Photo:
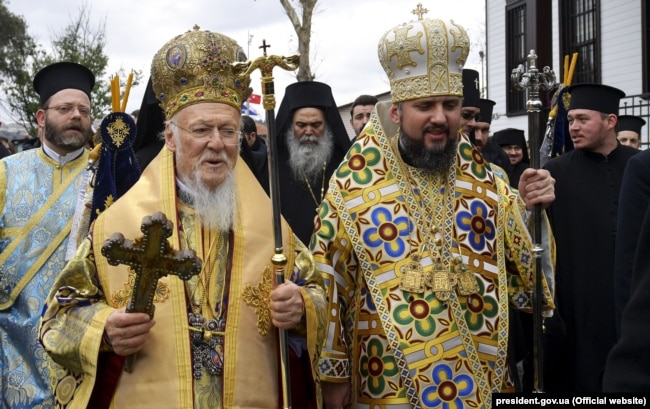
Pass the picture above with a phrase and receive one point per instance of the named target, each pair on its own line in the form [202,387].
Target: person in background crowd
[632,205]
[628,130]
[360,112]
[6,147]
[513,143]
[312,141]
[477,110]
[256,147]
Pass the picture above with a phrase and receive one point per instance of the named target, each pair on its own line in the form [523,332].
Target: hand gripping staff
[266,63]
[533,81]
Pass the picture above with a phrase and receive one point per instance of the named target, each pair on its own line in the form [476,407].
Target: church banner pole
[533,81]
[266,63]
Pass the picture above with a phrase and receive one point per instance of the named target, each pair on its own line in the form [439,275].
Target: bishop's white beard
[216,208]
[307,159]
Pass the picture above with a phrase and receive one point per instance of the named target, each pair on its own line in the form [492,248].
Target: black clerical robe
[515,173]
[634,199]
[298,204]
[583,218]
[628,364]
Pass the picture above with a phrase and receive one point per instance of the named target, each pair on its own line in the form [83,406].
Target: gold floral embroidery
[259,298]
[121,297]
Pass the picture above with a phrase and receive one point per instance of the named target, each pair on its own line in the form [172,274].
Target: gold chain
[322,186]
[441,206]
[439,203]
[208,267]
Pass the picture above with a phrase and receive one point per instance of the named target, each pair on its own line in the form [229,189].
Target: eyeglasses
[67,109]
[229,136]
[467,115]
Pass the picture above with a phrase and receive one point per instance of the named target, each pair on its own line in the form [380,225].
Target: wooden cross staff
[151,257]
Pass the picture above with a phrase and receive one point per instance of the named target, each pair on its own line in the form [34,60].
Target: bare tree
[82,41]
[303,31]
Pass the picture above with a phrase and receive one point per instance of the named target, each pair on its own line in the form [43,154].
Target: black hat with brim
[63,75]
[596,97]
[630,123]
[510,136]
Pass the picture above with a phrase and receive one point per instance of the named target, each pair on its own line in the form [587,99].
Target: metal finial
[420,11]
[264,46]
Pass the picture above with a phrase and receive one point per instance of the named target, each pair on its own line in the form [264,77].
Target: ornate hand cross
[151,257]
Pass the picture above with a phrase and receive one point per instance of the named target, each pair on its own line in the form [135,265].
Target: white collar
[62,159]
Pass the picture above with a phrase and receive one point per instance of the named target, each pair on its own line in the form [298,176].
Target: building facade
[611,37]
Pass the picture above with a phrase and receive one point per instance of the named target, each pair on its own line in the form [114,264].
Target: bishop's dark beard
[60,137]
[437,159]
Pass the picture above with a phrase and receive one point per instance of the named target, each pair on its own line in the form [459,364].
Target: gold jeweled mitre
[424,58]
[197,67]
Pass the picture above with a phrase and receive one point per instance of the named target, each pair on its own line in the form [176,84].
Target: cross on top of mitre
[420,11]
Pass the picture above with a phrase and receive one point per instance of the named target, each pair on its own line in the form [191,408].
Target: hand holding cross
[151,257]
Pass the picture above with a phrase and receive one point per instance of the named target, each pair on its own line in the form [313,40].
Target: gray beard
[307,160]
[438,159]
[215,209]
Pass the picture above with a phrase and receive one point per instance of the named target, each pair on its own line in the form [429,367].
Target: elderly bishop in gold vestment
[212,341]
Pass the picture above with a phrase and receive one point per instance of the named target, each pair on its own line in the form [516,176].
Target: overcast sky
[345,33]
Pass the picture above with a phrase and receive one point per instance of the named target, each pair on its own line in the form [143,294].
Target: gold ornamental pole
[266,63]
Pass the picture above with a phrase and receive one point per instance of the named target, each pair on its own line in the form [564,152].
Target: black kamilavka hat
[63,75]
[486,106]
[596,97]
[630,123]
[471,89]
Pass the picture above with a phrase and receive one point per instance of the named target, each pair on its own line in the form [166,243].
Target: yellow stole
[162,373]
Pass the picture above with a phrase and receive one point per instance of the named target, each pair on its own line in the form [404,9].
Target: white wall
[497,73]
[621,44]
[621,40]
